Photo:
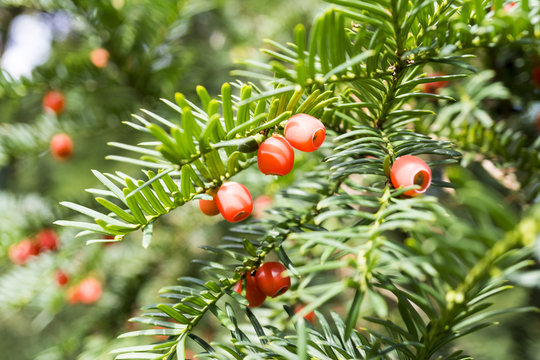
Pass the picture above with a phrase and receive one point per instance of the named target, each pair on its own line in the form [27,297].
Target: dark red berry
[270,279]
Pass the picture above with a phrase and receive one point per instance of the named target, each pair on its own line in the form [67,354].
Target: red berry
[509,7]
[432,87]
[89,290]
[99,57]
[261,203]
[20,252]
[72,295]
[61,146]
[304,132]
[410,170]
[61,278]
[270,280]
[54,102]
[254,295]
[275,156]
[209,207]
[47,239]
[310,316]
[536,75]
[234,201]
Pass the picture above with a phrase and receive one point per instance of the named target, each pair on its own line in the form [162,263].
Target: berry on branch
[234,201]
[410,170]
[275,156]
[270,279]
[254,295]
[304,132]
[209,207]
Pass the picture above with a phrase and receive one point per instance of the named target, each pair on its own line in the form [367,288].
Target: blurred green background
[156,48]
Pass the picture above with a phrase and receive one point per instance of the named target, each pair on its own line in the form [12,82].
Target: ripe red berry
[20,253]
[254,295]
[89,290]
[61,278]
[270,279]
[410,170]
[275,156]
[54,102]
[234,201]
[47,239]
[99,57]
[433,87]
[310,316]
[304,132]
[209,207]
[61,146]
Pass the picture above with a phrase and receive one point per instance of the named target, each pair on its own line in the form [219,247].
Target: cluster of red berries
[267,280]
[22,251]
[88,291]
[274,157]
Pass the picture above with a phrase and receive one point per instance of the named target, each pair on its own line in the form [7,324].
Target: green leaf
[354,311]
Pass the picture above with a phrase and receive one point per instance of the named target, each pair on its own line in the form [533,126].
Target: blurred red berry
[275,156]
[509,7]
[99,57]
[61,146]
[47,239]
[61,278]
[410,170]
[433,87]
[87,291]
[304,132]
[270,279]
[260,204]
[54,102]
[310,316]
[20,252]
[234,201]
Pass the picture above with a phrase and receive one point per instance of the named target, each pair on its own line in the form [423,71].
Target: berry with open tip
[305,132]
[409,170]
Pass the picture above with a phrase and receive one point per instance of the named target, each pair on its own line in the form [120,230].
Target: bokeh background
[155,48]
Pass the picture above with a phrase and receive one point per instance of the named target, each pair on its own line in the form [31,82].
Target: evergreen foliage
[389,276]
